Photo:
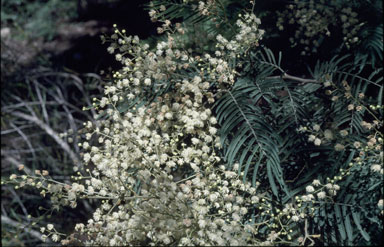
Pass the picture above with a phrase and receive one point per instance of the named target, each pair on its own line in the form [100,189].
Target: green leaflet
[244,154]
[236,144]
[356,219]
[255,170]
[375,186]
[245,135]
[348,226]
[311,87]
[272,180]
[339,220]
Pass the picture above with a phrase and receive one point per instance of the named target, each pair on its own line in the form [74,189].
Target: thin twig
[307,236]
[15,196]
[36,234]
[24,104]
[54,103]
[5,132]
[32,103]
[188,178]
[3,211]
[62,74]
[70,117]
[20,151]
[42,103]
[52,133]
[294,78]
[21,133]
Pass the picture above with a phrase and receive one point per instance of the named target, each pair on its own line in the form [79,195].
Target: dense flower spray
[152,160]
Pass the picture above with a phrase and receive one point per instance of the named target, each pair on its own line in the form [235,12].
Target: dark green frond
[371,47]
[247,137]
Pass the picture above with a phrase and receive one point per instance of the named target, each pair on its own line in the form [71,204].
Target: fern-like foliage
[259,119]
[262,115]
[371,47]
[255,141]
[351,218]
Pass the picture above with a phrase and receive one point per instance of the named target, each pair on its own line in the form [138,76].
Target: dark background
[88,53]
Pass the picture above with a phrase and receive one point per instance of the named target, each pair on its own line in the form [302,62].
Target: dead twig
[21,133]
[50,132]
[42,103]
[32,103]
[70,117]
[19,201]
[25,227]
[14,162]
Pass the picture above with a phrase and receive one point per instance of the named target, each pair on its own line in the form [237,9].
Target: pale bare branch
[21,133]
[42,103]
[14,162]
[25,227]
[294,78]
[50,132]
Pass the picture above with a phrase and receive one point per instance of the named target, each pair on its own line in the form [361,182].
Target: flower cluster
[151,157]
[248,35]
[199,210]
[158,164]
[50,232]
[315,19]
[155,167]
[335,134]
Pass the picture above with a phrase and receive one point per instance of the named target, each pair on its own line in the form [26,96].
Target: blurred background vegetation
[51,58]
[53,64]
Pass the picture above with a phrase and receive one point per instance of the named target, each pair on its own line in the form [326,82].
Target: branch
[9,221]
[8,131]
[294,78]
[70,117]
[15,196]
[42,103]
[21,133]
[16,164]
[50,132]
[307,236]
[32,103]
